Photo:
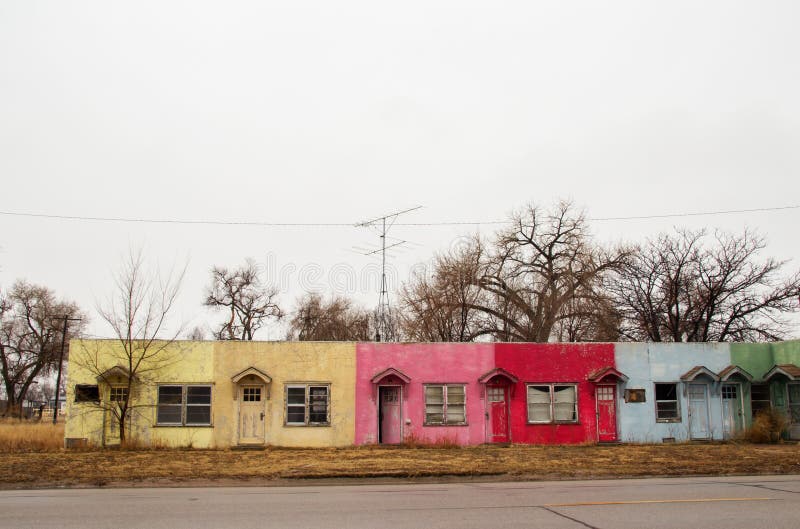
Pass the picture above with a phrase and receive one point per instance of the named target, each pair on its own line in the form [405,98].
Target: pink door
[497,410]
[390,415]
[606,413]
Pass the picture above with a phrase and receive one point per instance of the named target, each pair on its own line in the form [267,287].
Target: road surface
[748,502]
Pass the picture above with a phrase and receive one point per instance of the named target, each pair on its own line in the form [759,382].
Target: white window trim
[184,404]
[444,387]
[551,385]
[677,402]
[306,386]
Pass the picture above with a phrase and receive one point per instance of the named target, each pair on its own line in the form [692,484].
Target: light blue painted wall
[645,364]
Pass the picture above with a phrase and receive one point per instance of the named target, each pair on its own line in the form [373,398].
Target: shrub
[768,427]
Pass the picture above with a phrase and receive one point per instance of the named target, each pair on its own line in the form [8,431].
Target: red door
[497,405]
[391,418]
[606,413]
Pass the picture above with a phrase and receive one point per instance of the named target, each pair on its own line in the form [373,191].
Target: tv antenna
[383,326]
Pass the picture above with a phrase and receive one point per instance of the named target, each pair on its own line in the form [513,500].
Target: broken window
[667,409]
[445,404]
[548,403]
[87,393]
[184,405]
[760,398]
[307,404]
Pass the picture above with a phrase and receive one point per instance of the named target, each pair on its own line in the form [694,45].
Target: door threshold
[249,447]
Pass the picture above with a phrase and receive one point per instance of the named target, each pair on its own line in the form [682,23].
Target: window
[759,398]
[667,409]
[548,403]
[635,395]
[307,404]
[118,394]
[184,405]
[87,393]
[445,404]
[251,394]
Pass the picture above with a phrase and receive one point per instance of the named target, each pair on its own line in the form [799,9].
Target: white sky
[342,111]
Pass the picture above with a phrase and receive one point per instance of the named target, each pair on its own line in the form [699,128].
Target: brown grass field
[31,456]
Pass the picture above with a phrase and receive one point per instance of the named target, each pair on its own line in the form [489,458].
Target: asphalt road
[747,502]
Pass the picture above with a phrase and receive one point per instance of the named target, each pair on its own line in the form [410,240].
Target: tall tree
[333,319]
[30,336]
[439,306]
[689,286]
[243,295]
[138,313]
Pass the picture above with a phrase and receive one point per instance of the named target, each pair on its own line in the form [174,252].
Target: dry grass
[101,467]
[16,436]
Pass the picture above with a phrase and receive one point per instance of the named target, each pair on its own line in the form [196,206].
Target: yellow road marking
[634,502]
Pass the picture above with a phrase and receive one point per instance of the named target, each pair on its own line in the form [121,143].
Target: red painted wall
[549,363]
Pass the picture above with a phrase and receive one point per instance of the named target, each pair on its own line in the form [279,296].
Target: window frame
[679,416]
[307,404]
[184,405]
[770,404]
[81,395]
[551,392]
[445,390]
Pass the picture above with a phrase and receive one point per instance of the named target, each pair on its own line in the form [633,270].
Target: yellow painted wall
[179,362]
[186,362]
[287,362]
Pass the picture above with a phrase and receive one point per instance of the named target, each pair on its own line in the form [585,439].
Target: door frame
[487,411]
[616,411]
[740,399]
[707,397]
[402,415]
[789,410]
[240,399]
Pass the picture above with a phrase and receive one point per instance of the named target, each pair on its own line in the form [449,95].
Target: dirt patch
[171,467]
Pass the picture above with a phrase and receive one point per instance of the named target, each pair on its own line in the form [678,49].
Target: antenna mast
[383,316]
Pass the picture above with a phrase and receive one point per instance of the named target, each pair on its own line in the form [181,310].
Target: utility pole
[382,324]
[66,319]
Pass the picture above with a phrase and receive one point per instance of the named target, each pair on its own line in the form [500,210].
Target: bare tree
[685,287]
[538,268]
[334,319]
[138,314]
[439,306]
[30,337]
[249,302]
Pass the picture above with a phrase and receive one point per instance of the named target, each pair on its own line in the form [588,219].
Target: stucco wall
[423,363]
[180,362]
[645,364]
[287,362]
[553,363]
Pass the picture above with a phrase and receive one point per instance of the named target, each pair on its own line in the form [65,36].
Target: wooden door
[794,411]
[732,418]
[497,411]
[699,427]
[390,416]
[251,415]
[606,413]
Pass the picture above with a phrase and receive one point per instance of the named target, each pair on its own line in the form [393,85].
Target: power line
[351,224]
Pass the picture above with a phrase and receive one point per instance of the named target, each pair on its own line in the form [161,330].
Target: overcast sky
[343,111]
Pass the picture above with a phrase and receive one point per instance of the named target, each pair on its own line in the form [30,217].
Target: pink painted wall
[548,363]
[424,363]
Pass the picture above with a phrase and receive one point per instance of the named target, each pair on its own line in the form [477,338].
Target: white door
[251,415]
[732,419]
[698,412]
